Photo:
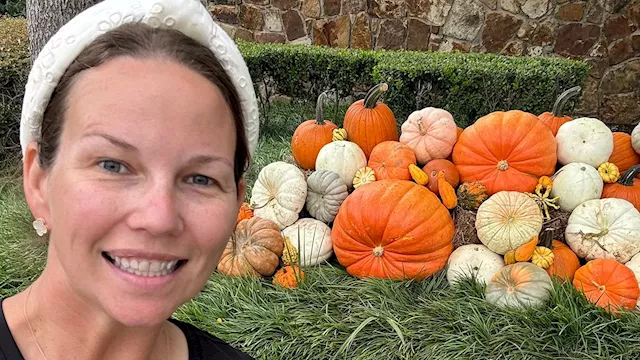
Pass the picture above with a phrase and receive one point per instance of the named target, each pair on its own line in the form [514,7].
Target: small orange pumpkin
[627,187]
[434,167]
[245,212]
[608,284]
[556,118]
[370,122]
[288,276]
[391,160]
[310,136]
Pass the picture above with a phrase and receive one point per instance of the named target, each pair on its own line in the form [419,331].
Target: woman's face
[144,179]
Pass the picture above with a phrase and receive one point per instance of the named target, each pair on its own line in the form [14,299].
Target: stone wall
[606,33]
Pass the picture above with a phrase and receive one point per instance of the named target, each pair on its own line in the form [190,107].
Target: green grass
[335,316]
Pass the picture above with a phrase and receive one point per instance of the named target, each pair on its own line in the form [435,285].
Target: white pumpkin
[576,183]
[473,259]
[342,157]
[312,240]
[634,265]
[325,193]
[635,139]
[507,220]
[584,140]
[279,193]
[604,228]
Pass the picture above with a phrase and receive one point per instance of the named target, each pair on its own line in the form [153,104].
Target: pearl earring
[40,226]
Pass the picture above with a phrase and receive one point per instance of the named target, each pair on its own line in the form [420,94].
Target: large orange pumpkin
[608,284]
[506,151]
[391,160]
[392,229]
[369,122]
[556,118]
[627,187]
[565,261]
[623,154]
[432,169]
[310,136]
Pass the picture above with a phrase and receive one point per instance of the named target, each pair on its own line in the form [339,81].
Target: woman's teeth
[142,267]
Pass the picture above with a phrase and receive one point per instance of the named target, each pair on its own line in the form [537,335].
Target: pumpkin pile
[394,202]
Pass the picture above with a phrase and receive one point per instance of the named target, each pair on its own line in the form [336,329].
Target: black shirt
[202,345]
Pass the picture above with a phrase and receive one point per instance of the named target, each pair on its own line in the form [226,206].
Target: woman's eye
[201,180]
[112,166]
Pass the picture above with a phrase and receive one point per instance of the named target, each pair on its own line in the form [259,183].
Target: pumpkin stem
[319,110]
[378,251]
[503,165]
[558,107]
[601,288]
[547,238]
[629,175]
[421,127]
[371,99]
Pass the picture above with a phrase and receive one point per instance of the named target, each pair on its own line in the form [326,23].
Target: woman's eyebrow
[112,139]
[206,159]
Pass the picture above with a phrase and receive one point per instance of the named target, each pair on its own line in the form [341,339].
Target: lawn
[335,316]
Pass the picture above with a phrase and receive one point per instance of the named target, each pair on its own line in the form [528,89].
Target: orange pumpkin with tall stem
[369,121]
[310,136]
[565,261]
[556,118]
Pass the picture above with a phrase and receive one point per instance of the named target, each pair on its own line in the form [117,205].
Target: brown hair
[142,41]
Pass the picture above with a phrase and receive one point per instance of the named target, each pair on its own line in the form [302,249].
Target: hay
[465,223]
[559,220]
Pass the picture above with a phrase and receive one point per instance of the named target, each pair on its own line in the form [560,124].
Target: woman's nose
[158,211]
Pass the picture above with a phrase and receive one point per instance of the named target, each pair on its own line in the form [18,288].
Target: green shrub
[14,67]
[13,7]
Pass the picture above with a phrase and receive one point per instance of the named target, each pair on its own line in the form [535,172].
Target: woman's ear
[242,188]
[35,184]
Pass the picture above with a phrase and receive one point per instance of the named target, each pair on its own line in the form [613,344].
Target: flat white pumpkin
[325,193]
[634,265]
[507,220]
[342,157]
[635,139]
[584,140]
[576,183]
[279,193]
[604,229]
[473,259]
[312,240]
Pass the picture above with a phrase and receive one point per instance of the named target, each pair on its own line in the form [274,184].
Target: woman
[138,123]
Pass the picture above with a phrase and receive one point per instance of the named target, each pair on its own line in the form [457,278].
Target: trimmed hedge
[467,85]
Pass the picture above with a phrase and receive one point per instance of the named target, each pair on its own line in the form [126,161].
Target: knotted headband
[189,17]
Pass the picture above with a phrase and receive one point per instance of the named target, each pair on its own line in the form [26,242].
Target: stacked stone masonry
[605,33]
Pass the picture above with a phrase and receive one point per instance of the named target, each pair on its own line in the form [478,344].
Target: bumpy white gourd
[604,228]
[279,193]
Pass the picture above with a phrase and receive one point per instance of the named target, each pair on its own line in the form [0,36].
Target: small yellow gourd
[542,257]
[510,257]
[447,193]
[339,135]
[290,253]
[418,175]
[363,176]
[609,172]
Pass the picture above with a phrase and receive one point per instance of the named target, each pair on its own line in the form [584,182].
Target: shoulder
[203,345]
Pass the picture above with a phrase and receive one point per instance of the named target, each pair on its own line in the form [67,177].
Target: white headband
[189,17]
